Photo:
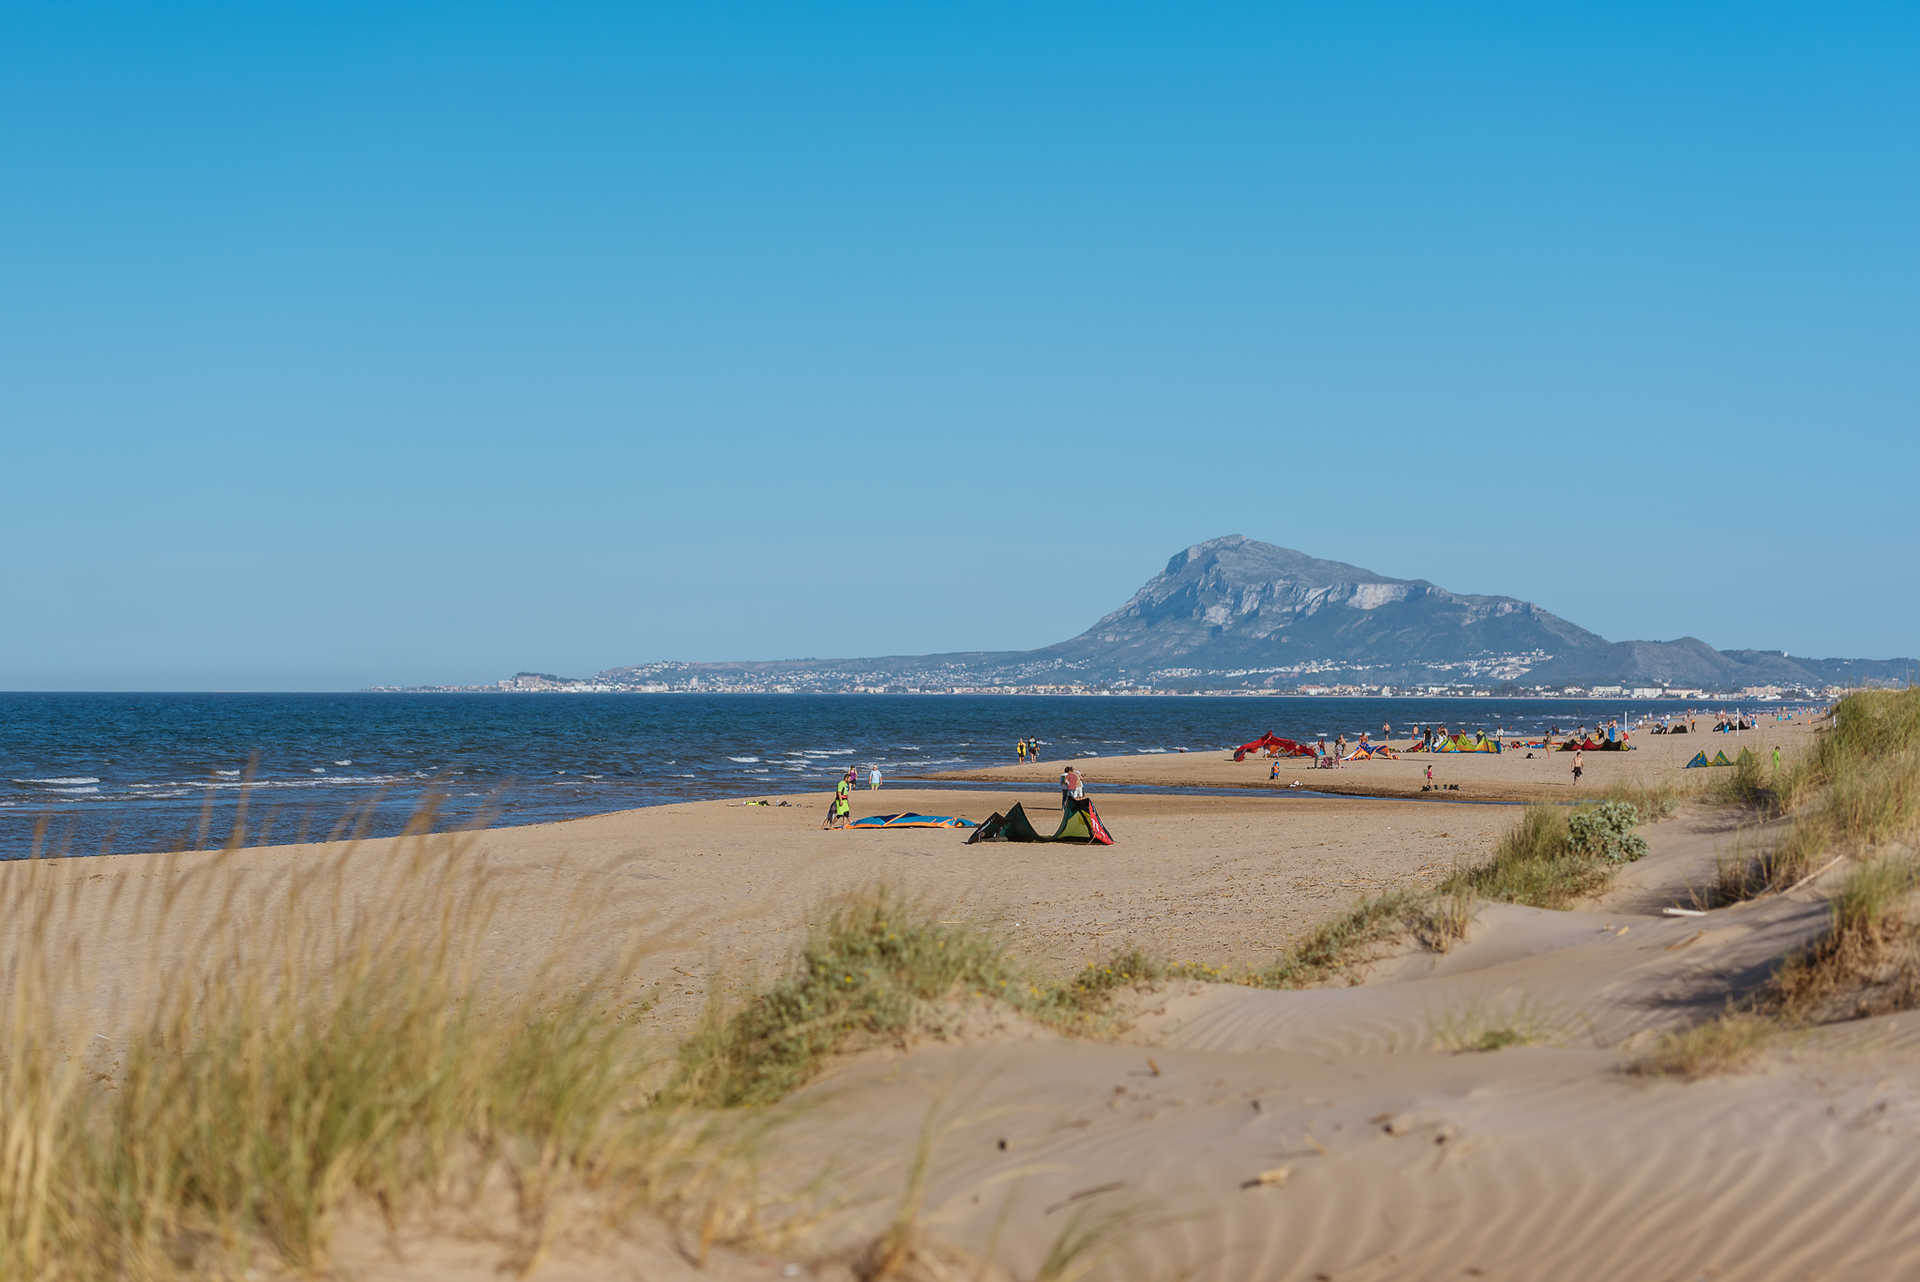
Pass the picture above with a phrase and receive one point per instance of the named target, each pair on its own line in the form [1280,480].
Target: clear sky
[344,344]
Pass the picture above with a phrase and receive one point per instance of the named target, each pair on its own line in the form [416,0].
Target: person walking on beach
[873,778]
[1072,788]
[1578,769]
[1429,775]
[1020,750]
[1776,758]
[841,810]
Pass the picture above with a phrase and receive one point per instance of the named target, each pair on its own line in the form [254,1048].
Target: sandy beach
[1510,775]
[1221,1131]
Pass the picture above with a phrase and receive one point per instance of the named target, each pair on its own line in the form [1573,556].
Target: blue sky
[346,344]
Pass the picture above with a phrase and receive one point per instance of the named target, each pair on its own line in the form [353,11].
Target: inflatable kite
[1284,747]
[911,820]
[1080,823]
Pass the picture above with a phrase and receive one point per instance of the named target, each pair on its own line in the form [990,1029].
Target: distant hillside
[1233,613]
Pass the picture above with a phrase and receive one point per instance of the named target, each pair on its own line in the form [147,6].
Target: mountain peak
[1241,561]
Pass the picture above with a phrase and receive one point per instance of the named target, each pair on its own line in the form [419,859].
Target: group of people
[1027,750]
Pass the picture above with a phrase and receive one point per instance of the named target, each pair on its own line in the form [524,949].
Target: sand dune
[1404,1160]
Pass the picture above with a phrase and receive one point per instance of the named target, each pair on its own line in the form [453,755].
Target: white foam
[347,762]
[69,781]
[745,761]
[230,774]
[75,792]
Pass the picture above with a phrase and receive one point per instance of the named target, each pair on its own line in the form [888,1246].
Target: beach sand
[1386,1152]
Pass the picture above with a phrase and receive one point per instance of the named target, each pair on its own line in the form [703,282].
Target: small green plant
[1606,832]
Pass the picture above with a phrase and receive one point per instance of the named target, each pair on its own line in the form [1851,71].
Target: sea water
[98,773]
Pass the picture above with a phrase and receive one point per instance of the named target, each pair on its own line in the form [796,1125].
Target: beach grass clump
[1748,784]
[318,1049]
[1724,1044]
[1653,801]
[877,966]
[1868,961]
[1542,864]
[1483,1026]
[1858,789]
[1355,937]
[1092,990]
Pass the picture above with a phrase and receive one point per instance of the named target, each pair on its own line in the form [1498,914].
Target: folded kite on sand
[1080,823]
[911,820]
[1274,743]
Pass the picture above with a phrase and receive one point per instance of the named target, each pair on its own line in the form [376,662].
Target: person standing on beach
[1072,787]
[873,778]
[1776,758]
[1020,750]
[1578,769]
[841,809]
[1429,774]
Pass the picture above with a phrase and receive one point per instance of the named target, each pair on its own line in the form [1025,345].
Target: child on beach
[1578,756]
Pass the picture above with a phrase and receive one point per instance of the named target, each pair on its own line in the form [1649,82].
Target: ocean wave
[347,762]
[324,781]
[69,781]
[745,761]
[76,792]
[230,774]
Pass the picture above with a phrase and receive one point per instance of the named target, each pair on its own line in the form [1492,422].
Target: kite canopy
[1460,743]
[1285,747]
[1699,760]
[1367,751]
[1079,823]
[911,820]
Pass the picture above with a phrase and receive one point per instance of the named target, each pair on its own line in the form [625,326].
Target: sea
[84,774]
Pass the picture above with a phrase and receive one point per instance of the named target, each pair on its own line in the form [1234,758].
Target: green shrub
[1606,832]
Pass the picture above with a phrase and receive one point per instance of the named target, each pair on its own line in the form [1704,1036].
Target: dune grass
[877,966]
[1855,796]
[1481,1026]
[1554,857]
[1724,1044]
[320,1049]
[1858,789]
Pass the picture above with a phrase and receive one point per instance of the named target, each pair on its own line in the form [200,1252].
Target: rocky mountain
[1233,613]
[1235,605]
